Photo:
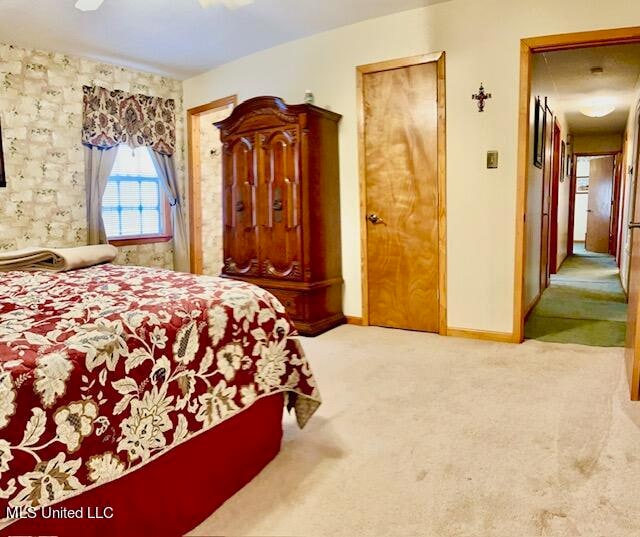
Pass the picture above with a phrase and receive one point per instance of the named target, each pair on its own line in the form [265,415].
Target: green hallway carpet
[585,303]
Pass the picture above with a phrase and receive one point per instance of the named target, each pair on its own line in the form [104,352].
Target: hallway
[585,303]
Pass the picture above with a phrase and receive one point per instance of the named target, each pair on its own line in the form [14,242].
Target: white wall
[482,43]
[580,217]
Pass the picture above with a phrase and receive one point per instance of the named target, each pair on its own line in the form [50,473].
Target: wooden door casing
[601,171]
[280,204]
[547,172]
[239,207]
[401,177]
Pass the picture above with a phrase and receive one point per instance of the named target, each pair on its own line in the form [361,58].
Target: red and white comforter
[106,368]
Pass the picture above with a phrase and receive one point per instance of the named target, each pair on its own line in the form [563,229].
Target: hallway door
[600,201]
[547,175]
[555,191]
[401,181]
[632,354]
[633,330]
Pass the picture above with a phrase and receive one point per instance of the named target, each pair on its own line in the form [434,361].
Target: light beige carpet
[421,435]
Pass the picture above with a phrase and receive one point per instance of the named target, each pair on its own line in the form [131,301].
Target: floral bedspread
[105,368]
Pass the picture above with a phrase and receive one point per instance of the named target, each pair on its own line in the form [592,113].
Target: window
[582,175]
[134,206]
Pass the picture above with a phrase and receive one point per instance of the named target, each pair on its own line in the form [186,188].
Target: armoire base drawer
[314,308]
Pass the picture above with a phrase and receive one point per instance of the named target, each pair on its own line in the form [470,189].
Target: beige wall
[542,85]
[41,113]
[632,135]
[211,188]
[597,143]
[482,43]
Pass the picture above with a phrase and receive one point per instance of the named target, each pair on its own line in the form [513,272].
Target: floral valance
[113,117]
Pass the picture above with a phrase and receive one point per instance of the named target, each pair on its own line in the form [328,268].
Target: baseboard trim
[503,337]
[532,305]
[356,321]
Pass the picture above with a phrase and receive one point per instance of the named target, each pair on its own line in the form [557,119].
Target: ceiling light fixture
[88,5]
[229,4]
[598,107]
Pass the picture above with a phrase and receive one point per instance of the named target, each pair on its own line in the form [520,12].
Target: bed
[128,393]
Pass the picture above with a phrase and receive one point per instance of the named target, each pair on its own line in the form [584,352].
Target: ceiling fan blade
[88,5]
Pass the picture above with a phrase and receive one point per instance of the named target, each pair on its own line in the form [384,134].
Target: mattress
[106,369]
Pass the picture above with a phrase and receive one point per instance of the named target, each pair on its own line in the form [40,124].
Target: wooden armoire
[281,207]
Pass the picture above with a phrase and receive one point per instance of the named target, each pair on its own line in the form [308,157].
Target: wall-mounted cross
[481,97]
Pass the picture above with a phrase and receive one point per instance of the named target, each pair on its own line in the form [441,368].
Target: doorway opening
[205,184]
[583,104]
[603,114]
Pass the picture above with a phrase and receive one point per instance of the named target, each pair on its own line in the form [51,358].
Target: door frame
[194,176]
[528,47]
[572,200]
[361,70]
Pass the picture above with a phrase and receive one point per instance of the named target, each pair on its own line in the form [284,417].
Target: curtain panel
[166,169]
[112,117]
[98,164]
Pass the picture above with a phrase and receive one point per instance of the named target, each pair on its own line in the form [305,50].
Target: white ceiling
[569,73]
[178,37]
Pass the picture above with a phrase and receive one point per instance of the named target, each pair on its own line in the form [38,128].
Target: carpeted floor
[422,435]
[585,304]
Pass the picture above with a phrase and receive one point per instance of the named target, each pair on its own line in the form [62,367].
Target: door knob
[375,219]
[634,225]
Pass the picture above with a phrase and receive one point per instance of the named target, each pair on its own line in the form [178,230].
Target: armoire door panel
[280,226]
[240,234]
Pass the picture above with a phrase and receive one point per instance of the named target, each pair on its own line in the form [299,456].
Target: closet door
[239,208]
[401,182]
[280,204]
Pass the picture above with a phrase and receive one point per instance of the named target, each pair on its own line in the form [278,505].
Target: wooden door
[616,207]
[599,204]
[239,207]
[555,190]
[280,204]
[632,354]
[401,182]
[546,199]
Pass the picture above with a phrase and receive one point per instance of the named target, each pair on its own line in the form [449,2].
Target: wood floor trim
[355,321]
[486,335]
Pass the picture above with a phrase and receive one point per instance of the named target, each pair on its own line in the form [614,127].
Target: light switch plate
[492,159]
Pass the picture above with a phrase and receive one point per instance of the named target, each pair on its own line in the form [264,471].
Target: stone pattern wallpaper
[41,115]
[211,187]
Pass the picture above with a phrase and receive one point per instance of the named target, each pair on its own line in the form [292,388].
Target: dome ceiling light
[597,106]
